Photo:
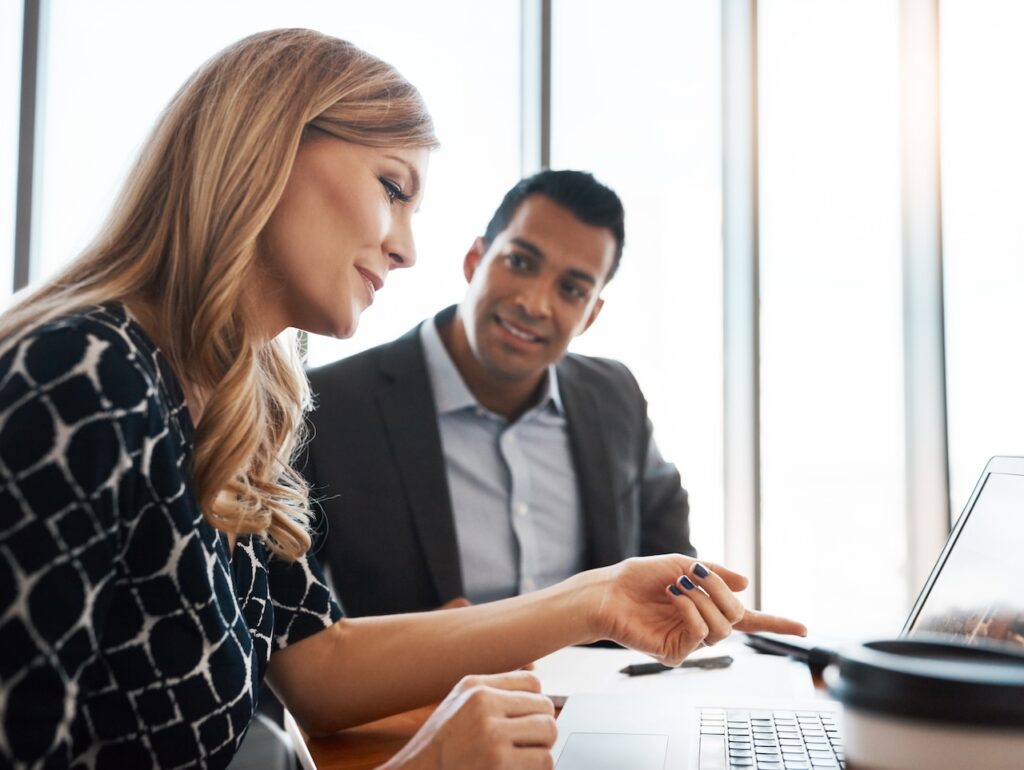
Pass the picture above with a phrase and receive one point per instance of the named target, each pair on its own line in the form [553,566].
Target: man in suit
[472,457]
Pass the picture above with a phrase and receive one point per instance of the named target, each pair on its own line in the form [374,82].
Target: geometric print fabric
[129,637]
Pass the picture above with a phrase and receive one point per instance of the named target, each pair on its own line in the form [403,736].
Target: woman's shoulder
[98,348]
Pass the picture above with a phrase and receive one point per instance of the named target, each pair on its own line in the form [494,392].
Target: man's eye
[517,261]
[393,191]
[573,291]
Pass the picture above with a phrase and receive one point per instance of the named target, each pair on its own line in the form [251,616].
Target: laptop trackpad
[613,751]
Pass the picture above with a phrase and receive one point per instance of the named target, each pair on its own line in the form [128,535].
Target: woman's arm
[362,669]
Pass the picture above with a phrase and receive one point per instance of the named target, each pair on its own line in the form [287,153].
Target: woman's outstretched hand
[668,606]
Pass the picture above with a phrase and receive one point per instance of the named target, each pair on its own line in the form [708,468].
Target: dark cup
[930,703]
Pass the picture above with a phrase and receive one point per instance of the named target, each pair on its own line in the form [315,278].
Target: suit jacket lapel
[593,469]
[406,403]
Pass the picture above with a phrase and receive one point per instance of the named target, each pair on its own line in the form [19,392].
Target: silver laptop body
[974,592]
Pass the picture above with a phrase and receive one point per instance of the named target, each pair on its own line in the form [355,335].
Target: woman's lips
[374,282]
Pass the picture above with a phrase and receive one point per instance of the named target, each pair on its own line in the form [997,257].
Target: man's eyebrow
[579,275]
[413,174]
[528,246]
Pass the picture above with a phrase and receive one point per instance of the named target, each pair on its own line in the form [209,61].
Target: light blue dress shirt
[513,486]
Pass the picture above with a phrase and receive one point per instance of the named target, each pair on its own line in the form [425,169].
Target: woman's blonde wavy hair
[183,240]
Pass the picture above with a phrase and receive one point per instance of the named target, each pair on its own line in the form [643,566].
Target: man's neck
[509,398]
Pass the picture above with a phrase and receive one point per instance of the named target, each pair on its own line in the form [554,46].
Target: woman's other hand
[668,606]
[493,722]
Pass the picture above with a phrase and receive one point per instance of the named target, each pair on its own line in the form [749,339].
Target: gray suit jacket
[376,468]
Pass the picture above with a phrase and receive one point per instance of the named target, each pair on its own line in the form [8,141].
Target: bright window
[983,231]
[833,534]
[638,104]
[114,65]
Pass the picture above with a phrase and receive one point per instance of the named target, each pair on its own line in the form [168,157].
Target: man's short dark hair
[576,191]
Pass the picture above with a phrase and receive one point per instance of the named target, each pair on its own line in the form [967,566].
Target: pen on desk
[639,669]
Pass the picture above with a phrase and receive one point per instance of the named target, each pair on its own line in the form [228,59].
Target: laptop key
[712,753]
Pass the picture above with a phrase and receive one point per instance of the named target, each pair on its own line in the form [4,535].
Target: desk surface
[373,744]
[367,746]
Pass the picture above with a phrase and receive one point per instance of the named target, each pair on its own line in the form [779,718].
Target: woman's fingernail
[701,570]
[674,591]
[686,583]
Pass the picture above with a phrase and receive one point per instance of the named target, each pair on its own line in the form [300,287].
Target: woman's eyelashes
[394,191]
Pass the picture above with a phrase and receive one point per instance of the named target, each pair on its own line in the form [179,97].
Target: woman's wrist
[586,596]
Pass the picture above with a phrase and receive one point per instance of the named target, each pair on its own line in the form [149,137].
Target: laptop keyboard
[769,740]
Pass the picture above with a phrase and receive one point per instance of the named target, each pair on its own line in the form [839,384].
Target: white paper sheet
[592,669]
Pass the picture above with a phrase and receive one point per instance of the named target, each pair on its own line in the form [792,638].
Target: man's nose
[535,300]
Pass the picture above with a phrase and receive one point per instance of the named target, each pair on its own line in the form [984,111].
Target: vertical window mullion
[927,465]
[28,141]
[740,225]
[535,87]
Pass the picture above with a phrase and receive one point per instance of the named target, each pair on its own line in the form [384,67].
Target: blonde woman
[153,536]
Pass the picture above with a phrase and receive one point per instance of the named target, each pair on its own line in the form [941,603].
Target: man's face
[535,288]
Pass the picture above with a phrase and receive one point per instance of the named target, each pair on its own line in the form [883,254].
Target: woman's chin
[337,328]
[345,329]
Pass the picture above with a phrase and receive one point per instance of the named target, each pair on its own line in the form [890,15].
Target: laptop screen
[977,591]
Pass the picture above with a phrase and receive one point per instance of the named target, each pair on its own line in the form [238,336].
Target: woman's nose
[400,247]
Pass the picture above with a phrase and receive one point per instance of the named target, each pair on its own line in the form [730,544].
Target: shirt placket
[520,513]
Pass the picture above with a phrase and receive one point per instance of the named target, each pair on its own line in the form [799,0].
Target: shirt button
[522,509]
[529,585]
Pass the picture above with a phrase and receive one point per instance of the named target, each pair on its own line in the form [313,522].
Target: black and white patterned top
[129,638]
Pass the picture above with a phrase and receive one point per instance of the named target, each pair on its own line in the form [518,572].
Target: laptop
[974,592]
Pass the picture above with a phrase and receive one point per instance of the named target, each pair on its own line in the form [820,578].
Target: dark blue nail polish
[686,583]
[674,591]
[701,570]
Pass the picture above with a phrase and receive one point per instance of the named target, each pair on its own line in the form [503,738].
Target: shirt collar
[450,391]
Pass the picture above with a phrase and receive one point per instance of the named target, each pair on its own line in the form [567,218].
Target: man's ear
[473,258]
[593,314]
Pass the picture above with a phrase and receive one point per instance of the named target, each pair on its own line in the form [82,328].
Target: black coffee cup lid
[932,678]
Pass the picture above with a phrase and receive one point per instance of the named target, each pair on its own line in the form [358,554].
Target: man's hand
[458,601]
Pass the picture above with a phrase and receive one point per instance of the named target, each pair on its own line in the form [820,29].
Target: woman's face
[343,222]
